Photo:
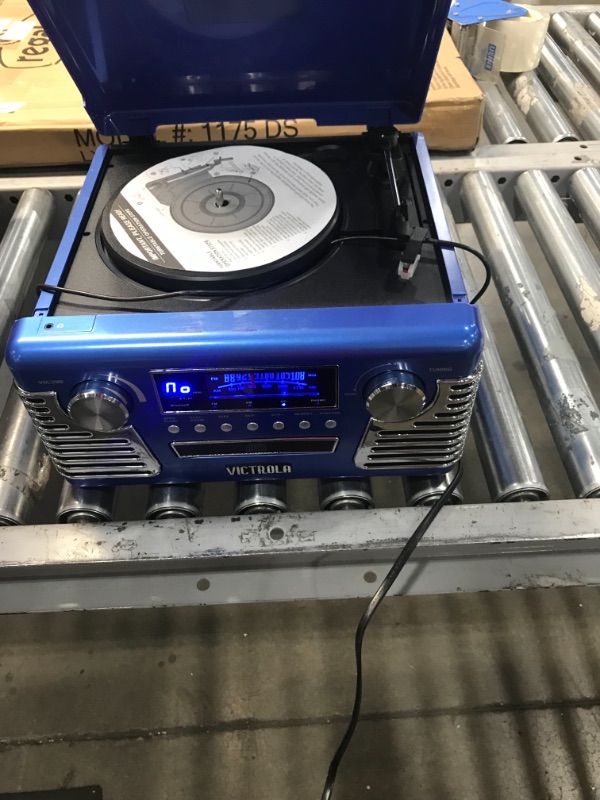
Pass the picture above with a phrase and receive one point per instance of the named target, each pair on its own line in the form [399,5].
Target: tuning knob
[99,406]
[395,397]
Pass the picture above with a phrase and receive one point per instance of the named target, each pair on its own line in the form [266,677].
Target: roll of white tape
[523,40]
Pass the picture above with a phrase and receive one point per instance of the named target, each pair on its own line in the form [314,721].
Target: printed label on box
[32,51]
[88,139]
[244,131]
[16,31]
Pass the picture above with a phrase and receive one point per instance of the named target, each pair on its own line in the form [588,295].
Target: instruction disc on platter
[230,217]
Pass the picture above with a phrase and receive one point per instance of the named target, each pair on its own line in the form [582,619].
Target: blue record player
[247,308]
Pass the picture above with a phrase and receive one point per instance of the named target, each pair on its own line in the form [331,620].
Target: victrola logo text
[259,469]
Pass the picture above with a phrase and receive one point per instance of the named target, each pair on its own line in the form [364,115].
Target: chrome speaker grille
[434,439]
[79,454]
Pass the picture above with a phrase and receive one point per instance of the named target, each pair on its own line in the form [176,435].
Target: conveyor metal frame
[292,556]
[309,555]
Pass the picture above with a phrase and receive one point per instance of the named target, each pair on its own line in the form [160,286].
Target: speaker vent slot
[435,439]
[79,454]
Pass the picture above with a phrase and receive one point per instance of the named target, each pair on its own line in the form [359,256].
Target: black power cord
[450,245]
[446,244]
[203,295]
[186,294]
[376,601]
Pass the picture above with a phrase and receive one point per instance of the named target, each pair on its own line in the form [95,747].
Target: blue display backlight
[175,389]
[252,389]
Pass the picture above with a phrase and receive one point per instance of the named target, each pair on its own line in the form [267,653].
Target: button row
[227,427]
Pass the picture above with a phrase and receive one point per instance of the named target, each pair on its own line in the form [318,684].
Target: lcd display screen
[273,388]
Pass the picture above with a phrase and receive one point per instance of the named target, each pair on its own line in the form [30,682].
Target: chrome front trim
[79,454]
[225,448]
[435,438]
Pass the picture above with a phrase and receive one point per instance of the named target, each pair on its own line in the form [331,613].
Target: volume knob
[395,397]
[99,406]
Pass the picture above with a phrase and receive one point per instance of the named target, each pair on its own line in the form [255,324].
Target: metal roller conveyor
[511,469]
[592,23]
[499,121]
[427,490]
[90,504]
[174,501]
[546,119]
[578,43]
[566,82]
[24,463]
[344,494]
[574,266]
[510,466]
[570,408]
[585,191]
[261,497]
[20,250]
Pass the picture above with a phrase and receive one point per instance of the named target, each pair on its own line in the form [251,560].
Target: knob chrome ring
[391,384]
[113,398]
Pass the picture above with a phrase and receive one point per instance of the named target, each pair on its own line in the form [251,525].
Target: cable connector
[411,253]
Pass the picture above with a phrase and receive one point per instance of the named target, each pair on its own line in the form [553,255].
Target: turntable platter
[223,206]
[237,217]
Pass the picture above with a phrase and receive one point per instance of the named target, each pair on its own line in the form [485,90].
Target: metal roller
[509,463]
[499,121]
[592,23]
[344,494]
[585,191]
[174,501]
[510,467]
[569,406]
[573,265]
[571,89]
[24,463]
[424,491]
[20,251]
[578,43]
[78,504]
[261,497]
[545,118]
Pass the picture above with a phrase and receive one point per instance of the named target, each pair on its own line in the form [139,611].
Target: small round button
[226,427]
[331,423]
[278,426]
[200,428]
[173,429]
[304,425]
[252,426]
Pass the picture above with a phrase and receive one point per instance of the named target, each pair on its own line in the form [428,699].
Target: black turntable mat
[362,274]
[237,217]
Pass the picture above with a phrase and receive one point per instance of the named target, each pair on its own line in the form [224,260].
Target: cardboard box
[43,122]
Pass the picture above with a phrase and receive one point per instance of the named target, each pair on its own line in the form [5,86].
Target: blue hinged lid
[144,63]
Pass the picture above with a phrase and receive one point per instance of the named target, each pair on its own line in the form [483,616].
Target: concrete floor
[467,697]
